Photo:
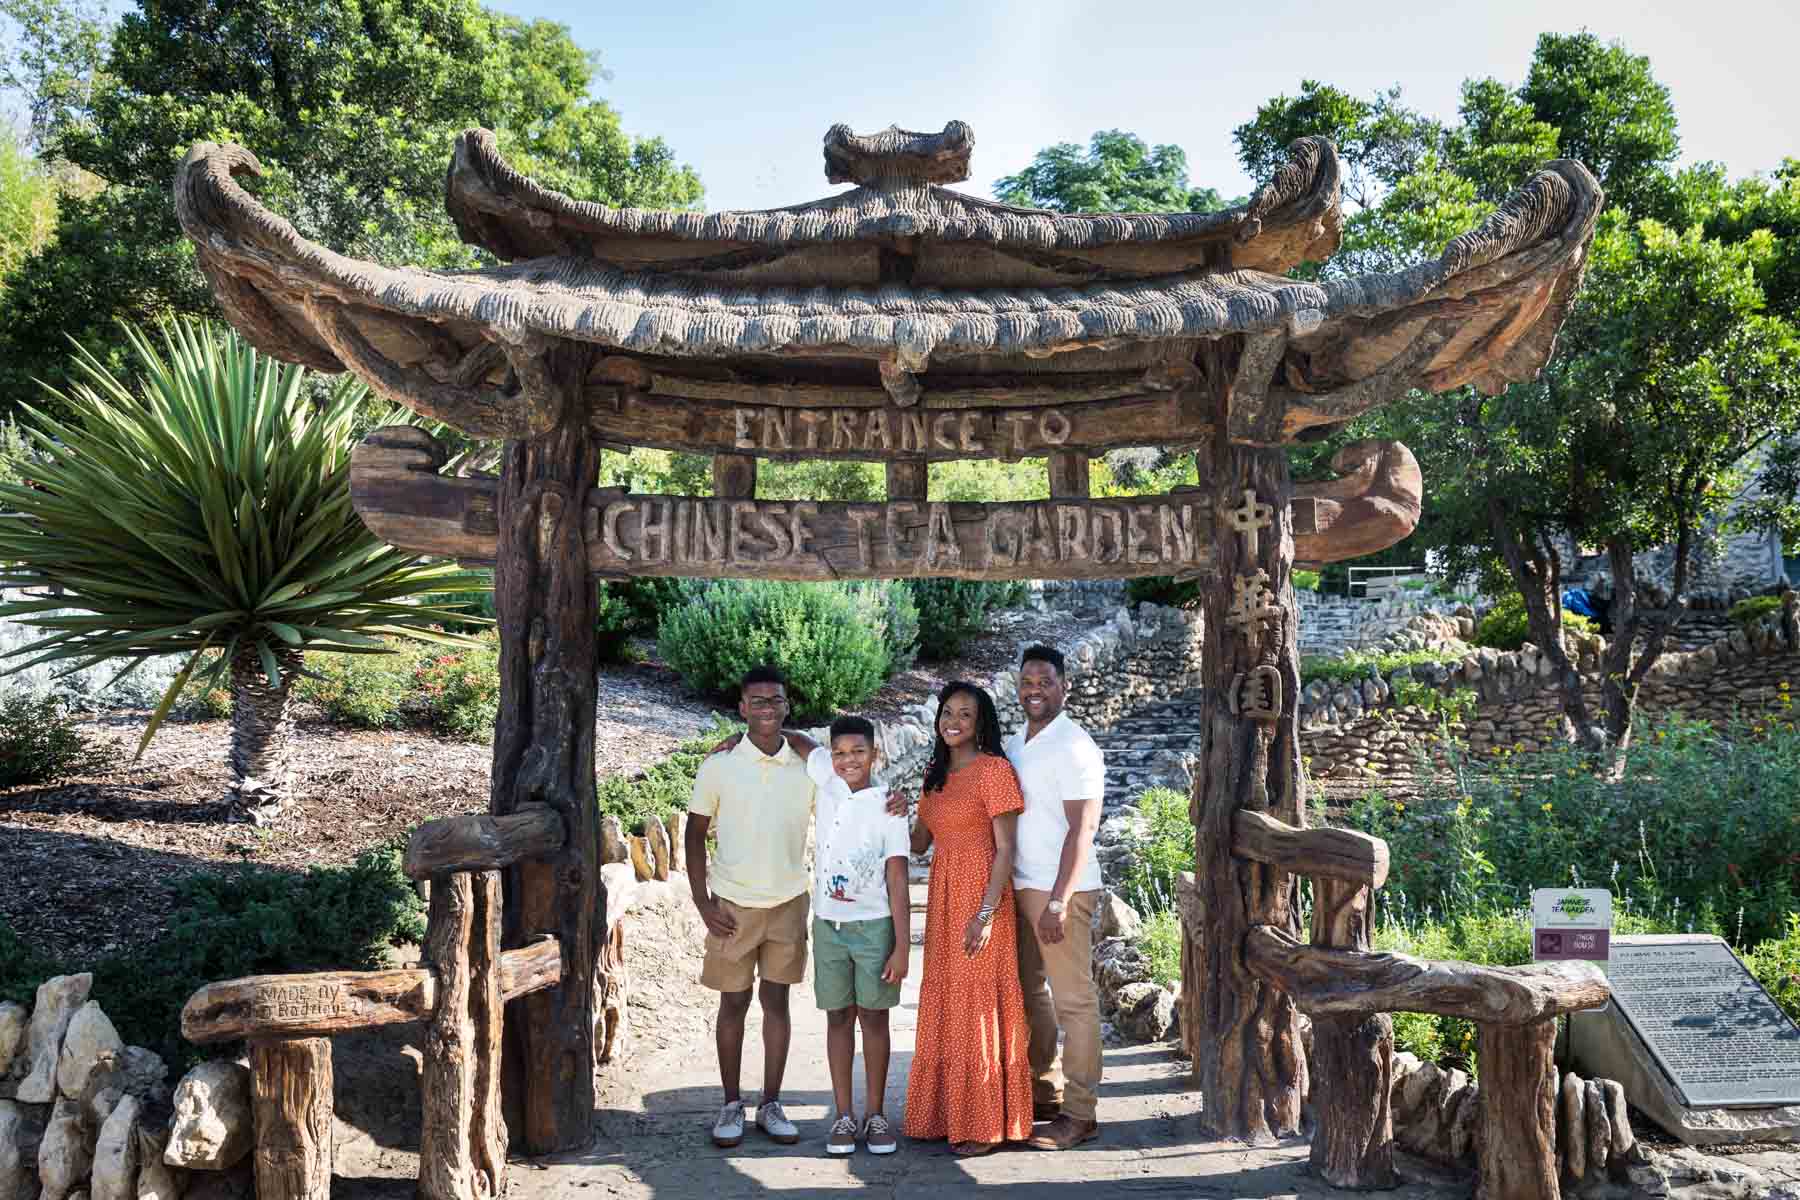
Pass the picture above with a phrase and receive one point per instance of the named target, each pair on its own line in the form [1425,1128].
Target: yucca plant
[203,509]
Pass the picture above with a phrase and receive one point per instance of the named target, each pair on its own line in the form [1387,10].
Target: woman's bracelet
[985,914]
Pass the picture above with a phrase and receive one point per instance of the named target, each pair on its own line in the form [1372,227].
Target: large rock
[213,1127]
[116,1154]
[156,1179]
[20,1133]
[1146,1012]
[14,1021]
[58,999]
[1687,1174]
[1115,918]
[134,1071]
[90,1044]
[66,1154]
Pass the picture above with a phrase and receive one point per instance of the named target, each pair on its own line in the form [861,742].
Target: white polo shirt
[1061,764]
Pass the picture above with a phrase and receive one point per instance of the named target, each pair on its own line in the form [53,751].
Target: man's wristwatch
[1056,908]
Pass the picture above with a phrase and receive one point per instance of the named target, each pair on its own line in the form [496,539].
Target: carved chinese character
[1258,694]
[1249,517]
[1252,603]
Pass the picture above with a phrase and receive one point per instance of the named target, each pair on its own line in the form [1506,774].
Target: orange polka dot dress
[971,1070]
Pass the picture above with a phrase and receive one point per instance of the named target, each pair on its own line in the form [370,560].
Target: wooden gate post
[1516,1146]
[462,1138]
[290,1082]
[544,741]
[1247,1053]
[1352,1059]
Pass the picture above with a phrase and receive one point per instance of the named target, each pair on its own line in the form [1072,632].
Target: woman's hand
[976,934]
[728,745]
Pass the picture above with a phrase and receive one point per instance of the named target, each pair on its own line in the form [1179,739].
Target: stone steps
[1138,746]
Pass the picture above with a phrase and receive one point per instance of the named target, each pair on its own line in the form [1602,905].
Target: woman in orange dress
[970,1079]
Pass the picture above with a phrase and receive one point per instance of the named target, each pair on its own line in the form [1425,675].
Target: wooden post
[1517,1141]
[1248,1057]
[462,1141]
[544,744]
[734,476]
[1069,475]
[907,480]
[291,1094]
[1352,1061]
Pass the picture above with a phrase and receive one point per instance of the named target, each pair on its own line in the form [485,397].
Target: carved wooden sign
[888,432]
[395,487]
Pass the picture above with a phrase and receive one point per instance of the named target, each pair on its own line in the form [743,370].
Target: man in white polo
[1057,881]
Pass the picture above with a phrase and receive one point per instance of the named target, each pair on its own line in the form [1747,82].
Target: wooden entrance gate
[906,323]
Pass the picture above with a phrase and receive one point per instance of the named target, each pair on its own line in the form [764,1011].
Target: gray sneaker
[842,1138]
[773,1121]
[728,1129]
[878,1135]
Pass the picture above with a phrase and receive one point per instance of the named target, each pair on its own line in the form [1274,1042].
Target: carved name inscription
[302,1001]
[674,535]
[1012,432]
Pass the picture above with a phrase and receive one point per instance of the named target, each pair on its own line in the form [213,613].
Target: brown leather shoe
[1064,1133]
[1046,1110]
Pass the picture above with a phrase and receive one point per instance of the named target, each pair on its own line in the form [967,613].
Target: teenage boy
[1056,879]
[757,803]
[862,922]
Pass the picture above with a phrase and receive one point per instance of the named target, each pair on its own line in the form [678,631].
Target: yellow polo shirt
[761,807]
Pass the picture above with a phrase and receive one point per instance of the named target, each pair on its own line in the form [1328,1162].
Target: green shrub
[460,689]
[1306,581]
[1356,665]
[244,923]
[22,968]
[1754,609]
[1167,849]
[891,603]
[1165,590]
[820,634]
[1505,626]
[613,625]
[476,607]
[1160,940]
[39,742]
[1776,965]
[364,691]
[666,785]
[951,611]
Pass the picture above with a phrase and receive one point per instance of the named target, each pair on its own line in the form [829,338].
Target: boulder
[20,1133]
[116,1154]
[213,1127]
[612,841]
[66,1154]
[14,1021]
[656,837]
[1146,1012]
[156,1179]
[58,998]
[91,1044]
[1115,918]
[1687,1174]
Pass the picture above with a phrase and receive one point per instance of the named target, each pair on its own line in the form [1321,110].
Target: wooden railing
[1348,990]
[460,993]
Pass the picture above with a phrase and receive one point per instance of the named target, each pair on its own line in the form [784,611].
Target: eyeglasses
[765,703]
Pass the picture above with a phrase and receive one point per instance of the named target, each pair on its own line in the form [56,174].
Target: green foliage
[1699,829]
[1776,965]
[460,688]
[1116,172]
[901,618]
[1505,627]
[363,691]
[1165,850]
[1160,941]
[244,923]
[351,110]
[1306,581]
[666,785]
[1355,665]
[1165,590]
[1752,609]
[205,505]
[27,206]
[39,741]
[951,611]
[830,639]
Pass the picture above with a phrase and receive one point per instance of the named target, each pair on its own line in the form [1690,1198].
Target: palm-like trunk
[261,735]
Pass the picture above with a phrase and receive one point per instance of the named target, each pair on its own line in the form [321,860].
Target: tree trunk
[1516,1147]
[261,734]
[1353,1060]
[462,1139]
[1248,1057]
[544,749]
[290,1082]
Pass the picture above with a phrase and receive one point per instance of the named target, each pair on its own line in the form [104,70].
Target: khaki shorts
[770,942]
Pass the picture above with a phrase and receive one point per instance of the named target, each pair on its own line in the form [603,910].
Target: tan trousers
[1069,1002]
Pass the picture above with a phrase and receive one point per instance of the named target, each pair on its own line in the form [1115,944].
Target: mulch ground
[89,864]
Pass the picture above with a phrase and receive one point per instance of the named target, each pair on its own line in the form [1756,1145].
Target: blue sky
[744,92]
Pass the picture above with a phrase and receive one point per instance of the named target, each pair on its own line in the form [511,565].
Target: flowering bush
[460,689]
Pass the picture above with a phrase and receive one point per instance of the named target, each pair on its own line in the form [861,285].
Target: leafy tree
[50,55]
[1117,172]
[27,205]
[351,109]
[205,512]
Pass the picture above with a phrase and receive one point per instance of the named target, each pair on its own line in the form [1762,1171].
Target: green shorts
[848,958]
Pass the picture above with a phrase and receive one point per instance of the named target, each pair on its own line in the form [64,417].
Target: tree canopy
[1117,172]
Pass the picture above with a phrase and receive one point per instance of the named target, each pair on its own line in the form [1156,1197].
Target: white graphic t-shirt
[855,838]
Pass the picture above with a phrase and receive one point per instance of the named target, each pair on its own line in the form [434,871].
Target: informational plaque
[1570,923]
[1718,1036]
